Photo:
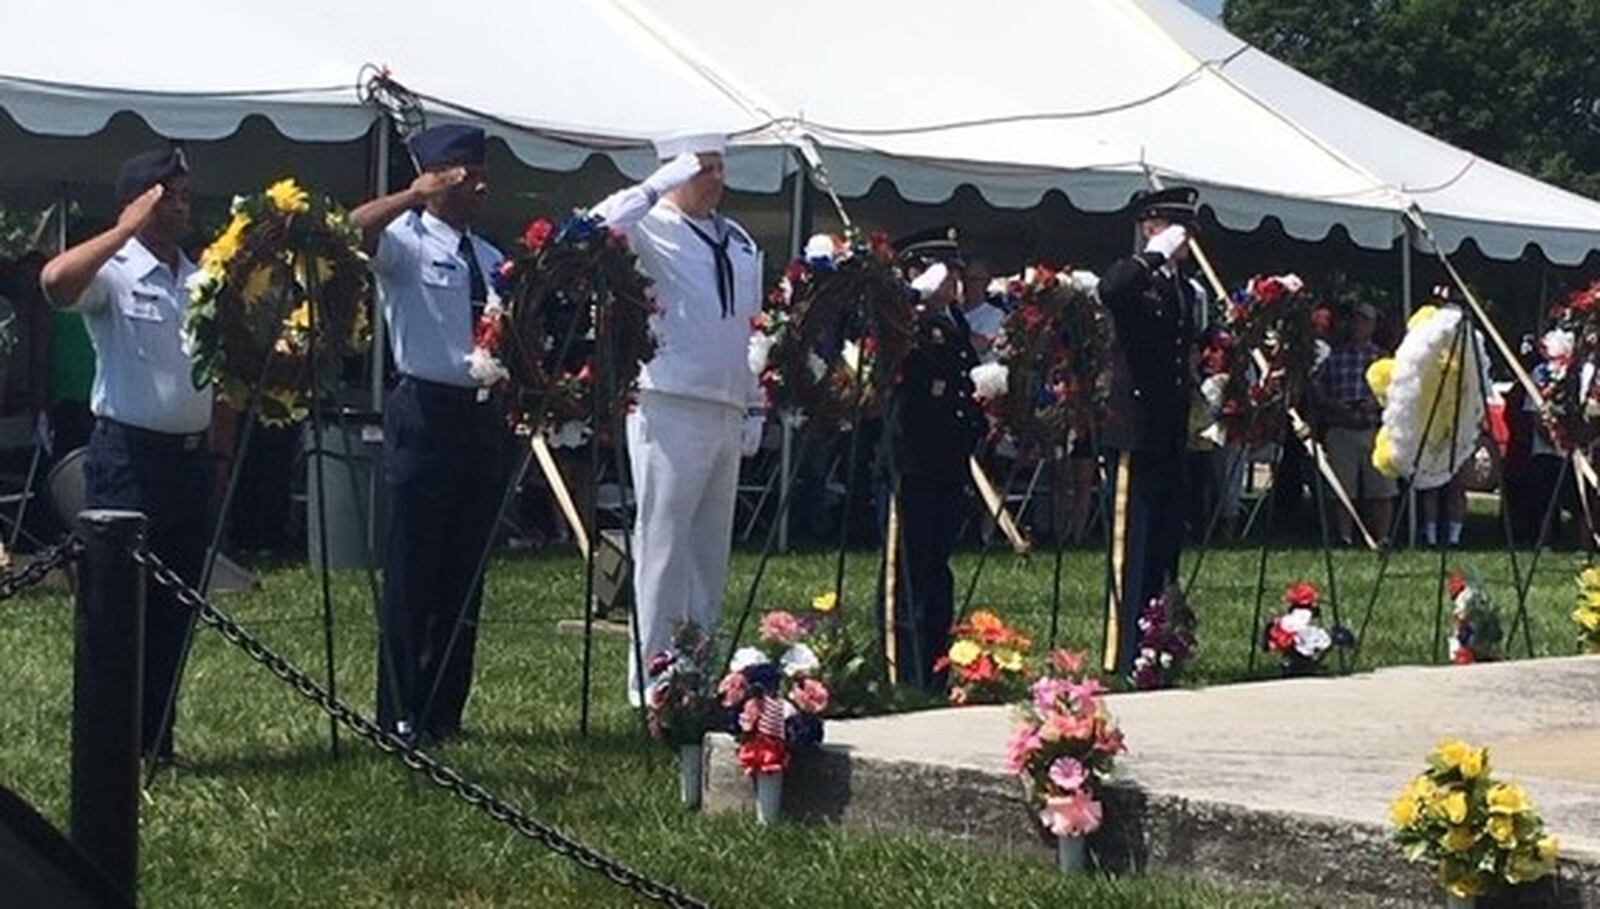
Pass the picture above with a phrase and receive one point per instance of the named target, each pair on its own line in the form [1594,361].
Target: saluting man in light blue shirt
[421,262]
[445,436]
[148,450]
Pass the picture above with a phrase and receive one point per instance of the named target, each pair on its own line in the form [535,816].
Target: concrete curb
[1325,861]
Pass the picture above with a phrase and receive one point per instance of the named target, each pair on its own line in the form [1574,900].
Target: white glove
[928,283]
[755,423]
[673,174]
[1168,241]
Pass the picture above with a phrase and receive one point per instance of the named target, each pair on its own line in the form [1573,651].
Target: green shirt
[71,359]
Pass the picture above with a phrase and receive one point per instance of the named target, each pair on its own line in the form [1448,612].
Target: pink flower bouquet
[1065,747]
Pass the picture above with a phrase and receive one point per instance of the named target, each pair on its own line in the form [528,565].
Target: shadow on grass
[622,735]
[517,784]
[299,761]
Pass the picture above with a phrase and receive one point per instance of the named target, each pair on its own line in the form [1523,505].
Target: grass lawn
[264,818]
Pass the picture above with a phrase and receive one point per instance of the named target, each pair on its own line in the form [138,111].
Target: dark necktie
[478,290]
[724,264]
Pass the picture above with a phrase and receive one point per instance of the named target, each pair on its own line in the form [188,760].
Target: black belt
[474,394]
[171,441]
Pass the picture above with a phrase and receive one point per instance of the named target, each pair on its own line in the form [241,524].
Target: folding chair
[19,433]
[1019,502]
[759,477]
[1259,483]
[613,497]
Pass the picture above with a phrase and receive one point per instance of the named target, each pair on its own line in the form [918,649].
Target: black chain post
[415,759]
[107,684]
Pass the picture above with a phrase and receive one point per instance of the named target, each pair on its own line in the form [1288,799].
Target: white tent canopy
[1015,97]
[1461,195]
[556,81]
[1085,95]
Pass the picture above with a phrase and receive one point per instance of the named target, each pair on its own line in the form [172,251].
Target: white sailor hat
[674,144]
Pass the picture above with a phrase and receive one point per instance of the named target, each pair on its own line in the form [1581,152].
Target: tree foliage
[1515,81]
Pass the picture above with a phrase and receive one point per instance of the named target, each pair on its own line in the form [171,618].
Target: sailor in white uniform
[699,409]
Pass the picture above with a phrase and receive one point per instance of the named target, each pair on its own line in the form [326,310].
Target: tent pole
[64,203]
[797,209]
[380,186]
[797,243]
[1405,304]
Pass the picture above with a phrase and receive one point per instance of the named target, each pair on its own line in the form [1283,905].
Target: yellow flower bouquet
[1587,613]
[249,321]
[1479,833]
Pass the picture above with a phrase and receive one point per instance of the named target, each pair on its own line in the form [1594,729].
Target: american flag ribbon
[771,721]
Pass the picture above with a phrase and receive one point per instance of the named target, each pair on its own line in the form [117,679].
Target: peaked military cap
[924,247]
[1178,204]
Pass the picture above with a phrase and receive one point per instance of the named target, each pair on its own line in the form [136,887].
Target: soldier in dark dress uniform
[1152,307]
[936,426]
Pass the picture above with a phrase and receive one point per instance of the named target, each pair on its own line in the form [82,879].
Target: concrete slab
[1284,783]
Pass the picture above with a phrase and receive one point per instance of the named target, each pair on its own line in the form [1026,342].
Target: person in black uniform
[936,426]
[444,432]
[1152,308]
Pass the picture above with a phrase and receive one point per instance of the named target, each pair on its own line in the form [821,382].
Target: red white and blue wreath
[569,311]
[833,333]
[1271,315]
[1053,373]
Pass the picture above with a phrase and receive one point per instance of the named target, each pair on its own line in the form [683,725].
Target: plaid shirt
[1343,376]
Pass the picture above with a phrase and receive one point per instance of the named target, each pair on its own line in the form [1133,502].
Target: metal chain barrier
[13,583]
[415,760]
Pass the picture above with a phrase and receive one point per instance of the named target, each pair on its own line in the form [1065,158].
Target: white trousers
[685,458]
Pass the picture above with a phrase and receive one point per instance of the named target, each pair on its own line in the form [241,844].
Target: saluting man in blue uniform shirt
[444,434]
[148,449]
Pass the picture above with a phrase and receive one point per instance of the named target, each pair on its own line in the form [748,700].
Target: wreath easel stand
[307,271]
[1478,317]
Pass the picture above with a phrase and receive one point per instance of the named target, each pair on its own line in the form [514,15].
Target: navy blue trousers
[169,480]
[931,509]
[1146,507]
[444,462]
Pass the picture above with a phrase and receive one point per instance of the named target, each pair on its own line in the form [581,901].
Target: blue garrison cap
[146,169]
[447,145]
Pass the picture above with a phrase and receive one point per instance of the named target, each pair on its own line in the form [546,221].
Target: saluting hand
[1169,241]
[674,173]
[431,184]
[139,212]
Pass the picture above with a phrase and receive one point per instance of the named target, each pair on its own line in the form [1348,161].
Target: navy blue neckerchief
[724,264]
